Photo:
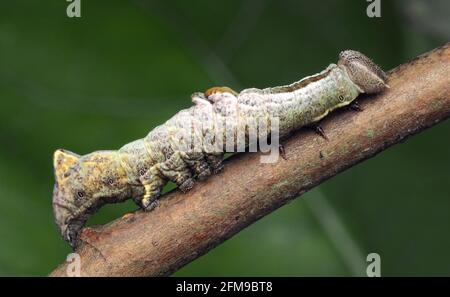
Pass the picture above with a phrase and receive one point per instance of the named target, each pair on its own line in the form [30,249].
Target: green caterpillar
[191,144]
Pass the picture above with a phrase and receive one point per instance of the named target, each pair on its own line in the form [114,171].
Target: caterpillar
[190,146]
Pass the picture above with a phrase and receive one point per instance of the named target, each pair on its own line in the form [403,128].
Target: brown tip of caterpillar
[214,90]
[363,72]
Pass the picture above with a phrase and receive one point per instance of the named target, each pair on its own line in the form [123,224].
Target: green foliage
[126,66]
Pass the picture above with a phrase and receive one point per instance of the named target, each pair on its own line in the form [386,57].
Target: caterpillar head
[363,72]
[82,185]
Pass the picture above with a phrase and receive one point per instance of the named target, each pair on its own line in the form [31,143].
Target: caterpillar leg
[215,162]
[318,130]
[176,170]
[153,183]
[197,163]
[355,106]
[282,151]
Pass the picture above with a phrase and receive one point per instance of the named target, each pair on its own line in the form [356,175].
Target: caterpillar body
[177,150]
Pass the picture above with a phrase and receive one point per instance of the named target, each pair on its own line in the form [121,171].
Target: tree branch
[186,226]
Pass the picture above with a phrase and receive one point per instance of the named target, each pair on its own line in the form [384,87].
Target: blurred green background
[109,77]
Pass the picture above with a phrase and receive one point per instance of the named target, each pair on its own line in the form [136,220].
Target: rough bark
[186,226]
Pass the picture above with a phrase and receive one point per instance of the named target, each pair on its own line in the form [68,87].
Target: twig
[186,226]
